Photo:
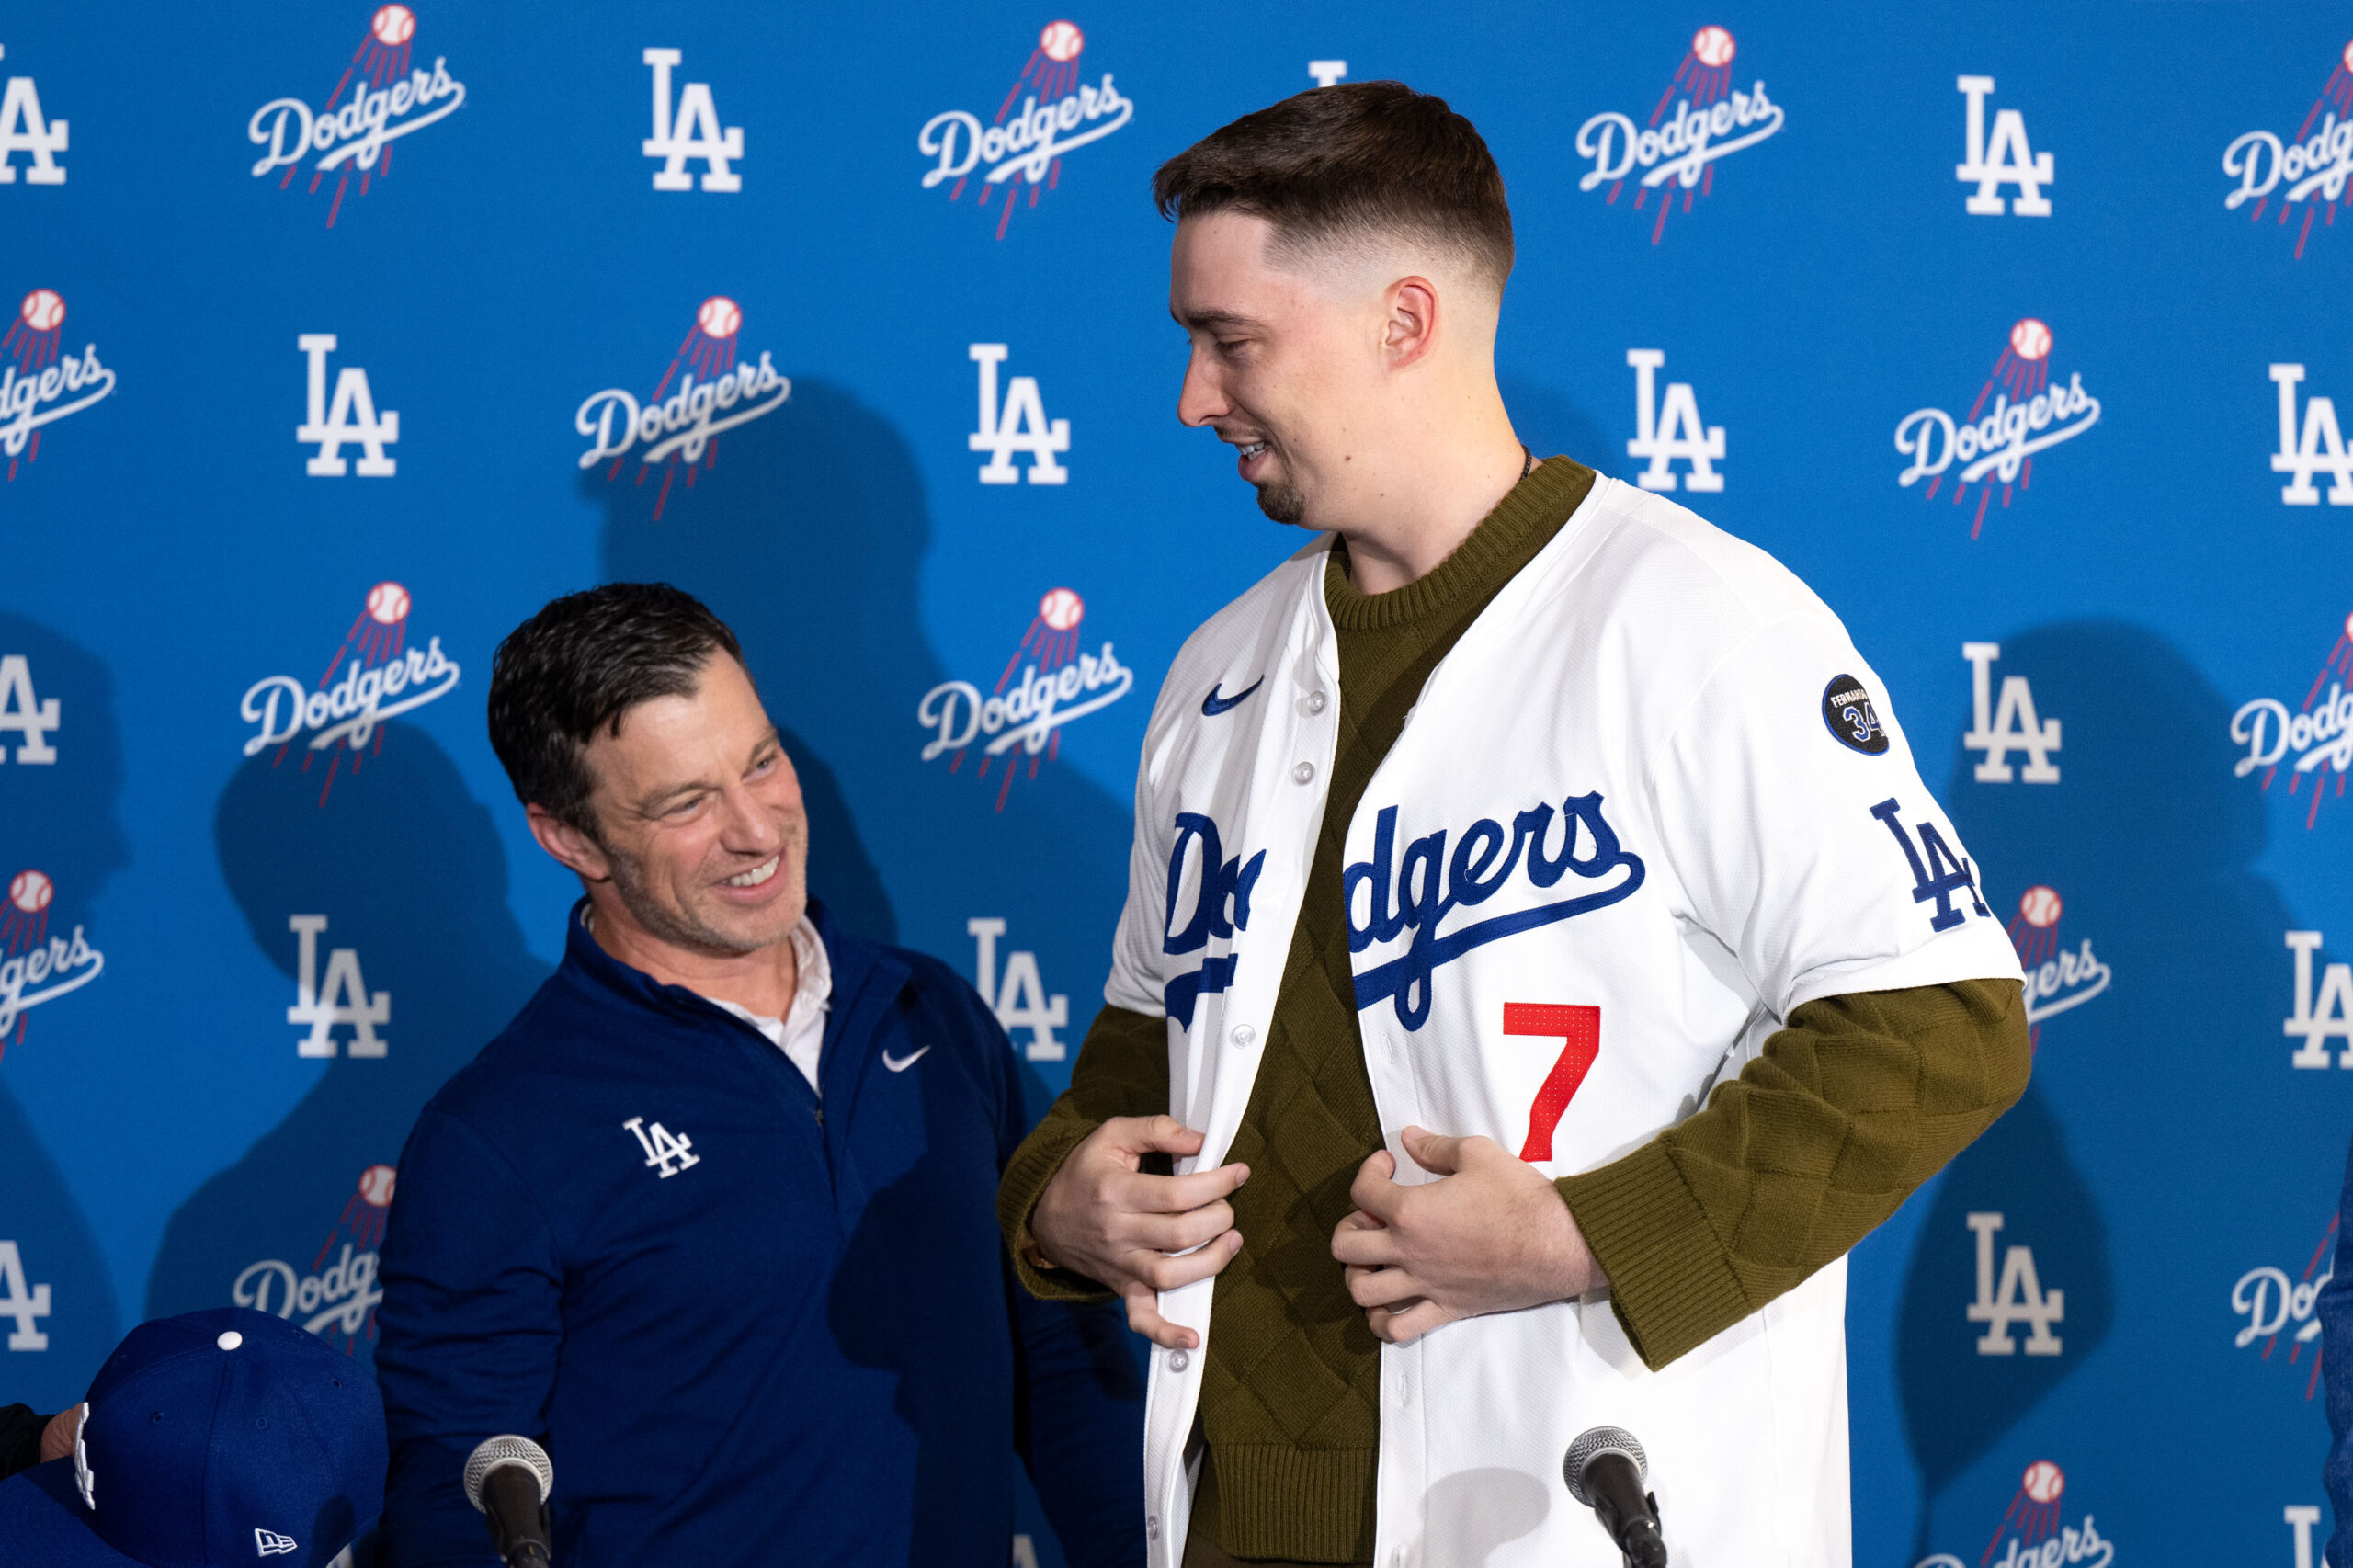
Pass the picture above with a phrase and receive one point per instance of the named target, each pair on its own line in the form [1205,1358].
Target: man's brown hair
[1355,160]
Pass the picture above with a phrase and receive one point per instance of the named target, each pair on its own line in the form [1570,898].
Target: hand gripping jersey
[1650,803]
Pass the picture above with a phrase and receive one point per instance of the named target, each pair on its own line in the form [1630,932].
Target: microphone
[507,1480]
[1604,1469]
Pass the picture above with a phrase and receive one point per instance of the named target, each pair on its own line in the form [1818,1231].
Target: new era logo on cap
[269,1543]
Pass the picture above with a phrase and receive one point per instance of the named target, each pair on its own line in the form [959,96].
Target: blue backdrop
[349,337]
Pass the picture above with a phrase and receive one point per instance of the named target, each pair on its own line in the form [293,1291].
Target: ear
[575,849]
[1410,328]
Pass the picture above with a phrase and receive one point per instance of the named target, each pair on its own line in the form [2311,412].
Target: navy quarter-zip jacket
[756,1327]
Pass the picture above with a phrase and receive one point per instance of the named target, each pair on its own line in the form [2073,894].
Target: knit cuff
[1671,1279]
[1025,1180]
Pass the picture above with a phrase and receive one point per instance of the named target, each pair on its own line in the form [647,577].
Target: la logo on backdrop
[37,387]
[1060,115]
[1678,153]
[2314,162]
[2034,1532]
[388,99]
[2017,414]
[1060,684]
[338,1295]
[2318,732]
[676,427]
[374,675]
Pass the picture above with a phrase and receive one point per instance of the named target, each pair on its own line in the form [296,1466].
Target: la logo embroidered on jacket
[664,1152]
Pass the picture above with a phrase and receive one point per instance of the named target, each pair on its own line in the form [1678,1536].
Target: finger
[1174,1232]
[1373,1246]
[1163,1272]
[1163,1133]
[1372,1190]
[1406,1324]
[1143,1317]
[1357,1219]
[1143,1194]
[1382,1286]
[1438,1154]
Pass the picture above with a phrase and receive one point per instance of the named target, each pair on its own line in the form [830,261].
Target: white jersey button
[1316,702]
[1304,774]
[1178,1360]
[1243,1034]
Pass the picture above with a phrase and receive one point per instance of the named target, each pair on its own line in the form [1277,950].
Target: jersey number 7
[1579,1030]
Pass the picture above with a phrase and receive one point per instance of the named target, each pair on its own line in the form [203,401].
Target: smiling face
[1287,362]
[700,834]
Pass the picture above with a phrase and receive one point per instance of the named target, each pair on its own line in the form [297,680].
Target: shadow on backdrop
[1550,423]
[806,536]
[411,876]
[2146,822]
[57,821]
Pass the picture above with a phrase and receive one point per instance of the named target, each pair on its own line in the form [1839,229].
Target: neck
[764,980]
[1451,464]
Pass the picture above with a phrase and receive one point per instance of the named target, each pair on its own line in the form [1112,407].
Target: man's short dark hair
[1370,159]
[580,665]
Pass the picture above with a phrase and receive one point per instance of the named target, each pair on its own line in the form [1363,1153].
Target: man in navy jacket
[713,1216]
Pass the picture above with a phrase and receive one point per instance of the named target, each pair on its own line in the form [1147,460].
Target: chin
[1282,502]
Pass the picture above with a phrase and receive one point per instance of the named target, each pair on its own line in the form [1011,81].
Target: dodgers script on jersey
[1650,803]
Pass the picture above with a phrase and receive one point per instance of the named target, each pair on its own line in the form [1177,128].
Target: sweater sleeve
[472,1325]
[20,1430]
[1822,1136]
[1122,1070]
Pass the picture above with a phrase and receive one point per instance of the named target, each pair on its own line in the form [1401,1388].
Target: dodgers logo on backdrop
[2313,163]
[35,966]
[1414,892]
[1058,115]
[2025,415]
[2321,450]
[678,425]
[1677,153]
[23,128]
[36,387]
[336,1296]
[2274,1305]
[1061,685]
[2034,1532]
[1666,434]
[2057,977]
[374,675]
[2318,732]
[1017,425]
[387,101]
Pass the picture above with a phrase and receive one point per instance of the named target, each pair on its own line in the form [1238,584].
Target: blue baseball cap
[214,1438]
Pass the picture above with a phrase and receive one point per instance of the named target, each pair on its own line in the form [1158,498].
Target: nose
[747,828]
[1202,397]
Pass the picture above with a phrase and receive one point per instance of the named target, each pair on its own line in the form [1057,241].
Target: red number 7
[1580,1030]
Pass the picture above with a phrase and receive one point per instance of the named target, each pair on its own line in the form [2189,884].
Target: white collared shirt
[799,1034]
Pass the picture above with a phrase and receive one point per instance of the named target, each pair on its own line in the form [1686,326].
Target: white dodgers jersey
[1650,803]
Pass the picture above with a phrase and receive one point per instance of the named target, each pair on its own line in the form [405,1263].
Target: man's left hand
[1493,1236]
[57,1438]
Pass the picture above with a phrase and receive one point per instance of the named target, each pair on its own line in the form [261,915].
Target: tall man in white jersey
[1542,960]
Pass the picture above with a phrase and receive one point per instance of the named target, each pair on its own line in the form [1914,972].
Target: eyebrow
[1215,319]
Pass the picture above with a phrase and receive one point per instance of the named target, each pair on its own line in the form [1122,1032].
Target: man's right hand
[1103,1217]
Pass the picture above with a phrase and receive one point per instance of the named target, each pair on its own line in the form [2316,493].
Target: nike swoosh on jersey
[1212,705]
[901,1064]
